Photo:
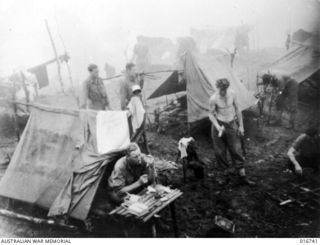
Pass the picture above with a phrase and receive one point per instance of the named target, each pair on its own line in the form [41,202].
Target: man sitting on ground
[305,151]
[131,173]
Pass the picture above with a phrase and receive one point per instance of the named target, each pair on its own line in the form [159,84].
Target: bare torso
[223,107]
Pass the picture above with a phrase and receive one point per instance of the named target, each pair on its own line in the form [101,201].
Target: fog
[102,31]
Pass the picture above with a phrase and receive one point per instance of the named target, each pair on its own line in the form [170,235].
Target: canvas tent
[299,63]
[57,164]
[200,74]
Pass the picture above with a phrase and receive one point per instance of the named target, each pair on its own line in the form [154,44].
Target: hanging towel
[112,131]
[182,146]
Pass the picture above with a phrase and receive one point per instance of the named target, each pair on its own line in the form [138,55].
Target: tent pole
[73,91]
[56,54]
[72,86]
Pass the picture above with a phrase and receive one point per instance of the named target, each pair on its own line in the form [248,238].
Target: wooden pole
[15,109]
[72,86]
[73,91]
[35,220]
[56,55]
[174,219]
[146,74]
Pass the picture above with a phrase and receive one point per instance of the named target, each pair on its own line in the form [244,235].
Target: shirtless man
[225,131]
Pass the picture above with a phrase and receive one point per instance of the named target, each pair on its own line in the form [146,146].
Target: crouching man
[226,131]
[131,173]
[305,151]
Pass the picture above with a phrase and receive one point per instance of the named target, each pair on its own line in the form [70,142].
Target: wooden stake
[55,54]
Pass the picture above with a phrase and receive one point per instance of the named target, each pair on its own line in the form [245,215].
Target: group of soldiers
[94,95]
[305,150]
[136,170]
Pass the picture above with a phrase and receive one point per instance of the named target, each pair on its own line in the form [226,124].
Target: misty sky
[100,30]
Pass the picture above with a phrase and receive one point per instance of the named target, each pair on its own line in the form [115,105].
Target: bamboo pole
[55,54]
[74,112]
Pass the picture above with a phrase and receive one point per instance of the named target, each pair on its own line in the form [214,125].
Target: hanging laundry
[41,74]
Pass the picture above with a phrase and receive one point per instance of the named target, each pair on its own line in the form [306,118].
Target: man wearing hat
[227,127]
[136,109]
[137,114]
[94,92]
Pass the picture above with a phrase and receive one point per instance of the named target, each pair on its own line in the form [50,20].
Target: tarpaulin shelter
[57,164]
[172,84]
[299,63]
[200,74]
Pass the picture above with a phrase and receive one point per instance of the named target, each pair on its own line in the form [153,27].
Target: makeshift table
[155,202]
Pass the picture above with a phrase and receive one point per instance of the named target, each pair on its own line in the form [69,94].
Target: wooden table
[155,205]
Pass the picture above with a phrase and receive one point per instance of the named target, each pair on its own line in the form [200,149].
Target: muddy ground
[255,211]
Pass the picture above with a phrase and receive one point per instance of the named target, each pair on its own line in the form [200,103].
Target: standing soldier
[286,96]
[131,78]
[94,92]
[225,131]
